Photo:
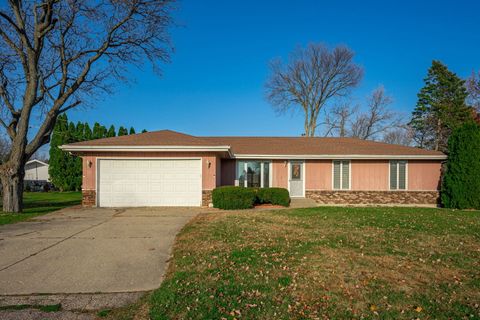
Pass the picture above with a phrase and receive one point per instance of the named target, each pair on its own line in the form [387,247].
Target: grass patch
[103,313]
[326,262]
[39,203]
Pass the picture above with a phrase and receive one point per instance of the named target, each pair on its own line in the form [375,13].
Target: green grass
[326,262]
[39,203]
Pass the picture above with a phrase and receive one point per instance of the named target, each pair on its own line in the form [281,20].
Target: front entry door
[295,178]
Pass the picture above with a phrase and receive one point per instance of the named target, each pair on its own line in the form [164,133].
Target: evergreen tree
[57,163]
[80,131]
[88,133]
[144,130]
[461,183]
[440,109]
[132,130]
[111,132]
[97,131]
[122,131]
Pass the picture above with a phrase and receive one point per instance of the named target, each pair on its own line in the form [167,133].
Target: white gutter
[340,156]
[74,148]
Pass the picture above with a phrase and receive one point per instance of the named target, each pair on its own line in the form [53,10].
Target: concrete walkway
[89,250]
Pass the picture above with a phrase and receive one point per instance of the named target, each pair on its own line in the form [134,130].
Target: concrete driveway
[89,250]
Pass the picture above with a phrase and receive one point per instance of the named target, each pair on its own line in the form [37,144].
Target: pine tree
[88,133]
[122,131]
[440,109]
[57,163]
[132,130]
[461,183]
[80,131]
[111,132]
[97,131]
[144,130]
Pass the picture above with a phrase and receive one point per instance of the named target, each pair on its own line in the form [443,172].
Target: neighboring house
[36,170]
[168,168]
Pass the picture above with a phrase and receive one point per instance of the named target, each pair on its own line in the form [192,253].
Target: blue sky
[214,84]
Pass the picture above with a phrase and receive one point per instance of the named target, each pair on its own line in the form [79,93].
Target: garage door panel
[152,182]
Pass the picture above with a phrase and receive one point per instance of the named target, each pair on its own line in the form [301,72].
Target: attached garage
[149,182]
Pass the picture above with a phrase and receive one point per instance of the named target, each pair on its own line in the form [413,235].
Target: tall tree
[378,119]
[111,132]
[132,130]
[473,90]
[56,55]
[88,134]
[58,164]
[122,131]
[461,182]
[313,77]
[440,109]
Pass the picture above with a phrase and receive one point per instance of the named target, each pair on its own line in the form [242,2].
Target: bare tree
[378,119]
[313,76]
[473,88]
[402,135]
[56,55]
[338,120]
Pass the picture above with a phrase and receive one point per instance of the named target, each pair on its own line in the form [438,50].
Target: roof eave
[74,148]
[340,156]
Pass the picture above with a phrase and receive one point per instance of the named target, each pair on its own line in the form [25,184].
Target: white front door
[149,182]
[296,176]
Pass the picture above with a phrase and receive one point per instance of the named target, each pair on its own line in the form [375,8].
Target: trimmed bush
[461,182]
[276,196]
[231,198]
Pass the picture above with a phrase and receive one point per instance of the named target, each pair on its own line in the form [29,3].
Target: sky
[214,84]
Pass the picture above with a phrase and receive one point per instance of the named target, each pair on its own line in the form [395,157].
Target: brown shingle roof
[154,138]
[262,145]
[315,146]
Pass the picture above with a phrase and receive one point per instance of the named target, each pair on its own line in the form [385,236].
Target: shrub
[461,182]
[231,198]
[277,196]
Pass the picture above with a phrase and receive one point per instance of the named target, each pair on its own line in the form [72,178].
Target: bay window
[254,174]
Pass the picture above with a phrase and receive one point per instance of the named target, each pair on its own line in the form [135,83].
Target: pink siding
[228,172]
[280,173]
[318,175]
[369,175]
[209,172]
[424,175]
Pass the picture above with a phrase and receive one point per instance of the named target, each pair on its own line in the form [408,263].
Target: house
[37,171]
[168,168]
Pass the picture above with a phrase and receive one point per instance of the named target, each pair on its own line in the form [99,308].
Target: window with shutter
[341,174]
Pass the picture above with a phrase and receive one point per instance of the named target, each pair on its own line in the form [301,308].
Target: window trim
[262,178]
[398,170]
[341,170]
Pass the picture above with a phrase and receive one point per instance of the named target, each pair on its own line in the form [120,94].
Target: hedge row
[231,198]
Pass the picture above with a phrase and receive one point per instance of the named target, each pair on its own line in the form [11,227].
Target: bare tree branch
[312,78]
[378,119]
[58,54]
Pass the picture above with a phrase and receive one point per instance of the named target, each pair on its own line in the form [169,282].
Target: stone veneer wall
[89,198]
[373,197]
[206,197]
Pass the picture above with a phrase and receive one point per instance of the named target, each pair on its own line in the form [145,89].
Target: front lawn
[38,203]
[319,263]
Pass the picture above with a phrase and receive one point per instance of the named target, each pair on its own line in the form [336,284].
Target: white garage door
[152,182]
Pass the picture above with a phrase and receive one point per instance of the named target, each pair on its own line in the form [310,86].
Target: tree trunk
[12,188]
